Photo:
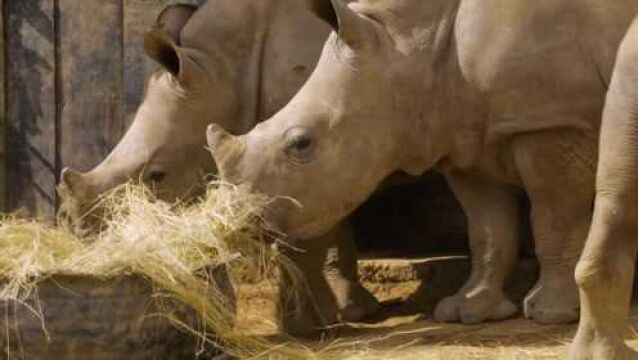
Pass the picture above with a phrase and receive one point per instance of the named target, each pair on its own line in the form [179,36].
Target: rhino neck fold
[251,88]
[450,130]
[287,40]
[291,49]
[232,34]
[439,88]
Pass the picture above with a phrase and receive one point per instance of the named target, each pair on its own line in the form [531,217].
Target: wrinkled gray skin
[503,96]
[606,269]
[233,63]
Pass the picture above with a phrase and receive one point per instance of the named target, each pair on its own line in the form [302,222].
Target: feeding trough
[72,317]
[154,284]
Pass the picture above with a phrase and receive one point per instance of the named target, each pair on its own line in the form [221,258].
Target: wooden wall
[75,73]
[3,175]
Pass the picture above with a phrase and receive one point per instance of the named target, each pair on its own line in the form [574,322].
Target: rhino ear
[161,48]
[351,27]
[325,11]
[173,19]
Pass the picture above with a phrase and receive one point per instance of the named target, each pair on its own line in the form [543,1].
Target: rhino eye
[300,145]
[157,176]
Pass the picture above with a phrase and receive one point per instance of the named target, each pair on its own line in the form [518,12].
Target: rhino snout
[73,196]
[69,177]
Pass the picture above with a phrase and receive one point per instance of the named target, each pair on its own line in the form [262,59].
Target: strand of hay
[168,244]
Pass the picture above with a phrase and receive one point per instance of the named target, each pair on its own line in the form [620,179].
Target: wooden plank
[90,60]
[3,160]
[31,110]
[139,16]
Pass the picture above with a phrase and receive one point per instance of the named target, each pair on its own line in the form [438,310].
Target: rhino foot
[300,325]
[474,308]
[589,345]
[308,321]
[557,304]
[360,305]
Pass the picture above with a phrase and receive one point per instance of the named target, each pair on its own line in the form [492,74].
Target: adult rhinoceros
[234,63]
[503,96]
[607,266]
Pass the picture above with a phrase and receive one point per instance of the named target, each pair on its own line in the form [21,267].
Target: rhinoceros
[234,63]
[503,96]
[606,268]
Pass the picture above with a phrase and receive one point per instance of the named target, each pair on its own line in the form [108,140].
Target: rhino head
[355,122]
[165,144]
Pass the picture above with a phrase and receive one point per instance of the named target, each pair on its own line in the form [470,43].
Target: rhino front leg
[324,288]
[557,171]
[606,269]
[605,275]
[354,302]
[493,218]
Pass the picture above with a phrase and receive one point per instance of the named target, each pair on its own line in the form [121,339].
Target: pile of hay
[169,244]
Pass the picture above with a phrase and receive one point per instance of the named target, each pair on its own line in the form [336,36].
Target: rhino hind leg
[493,218]
[557,171]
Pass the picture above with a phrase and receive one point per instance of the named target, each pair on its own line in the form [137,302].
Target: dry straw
[168,244]
[171,245]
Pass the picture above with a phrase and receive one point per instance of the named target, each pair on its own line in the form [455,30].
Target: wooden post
[3,159]
[75,73]
[31,106]
[91,65]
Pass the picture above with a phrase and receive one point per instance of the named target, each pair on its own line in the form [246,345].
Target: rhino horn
[224,147]
[351,27]
[72,181]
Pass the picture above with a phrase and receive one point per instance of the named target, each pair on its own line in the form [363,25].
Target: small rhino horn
[71,179]
[223,146]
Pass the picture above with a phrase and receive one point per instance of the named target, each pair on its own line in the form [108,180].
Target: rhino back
[532,64]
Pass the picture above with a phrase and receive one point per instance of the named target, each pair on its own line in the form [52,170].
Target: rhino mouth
[82,219]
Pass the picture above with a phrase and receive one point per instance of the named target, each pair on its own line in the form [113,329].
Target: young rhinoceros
[606,268]
[502,96]
[233,63]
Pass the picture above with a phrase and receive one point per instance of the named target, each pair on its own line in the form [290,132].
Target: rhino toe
[447,310]
[548,305]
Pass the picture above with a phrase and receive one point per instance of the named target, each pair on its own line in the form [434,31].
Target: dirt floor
[405,333]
